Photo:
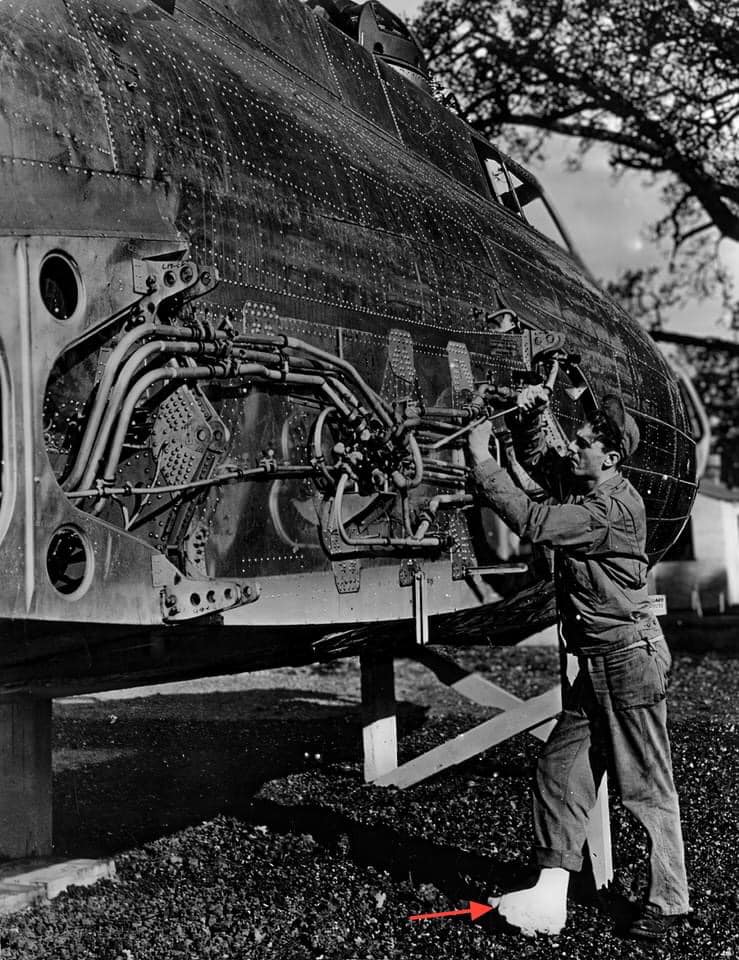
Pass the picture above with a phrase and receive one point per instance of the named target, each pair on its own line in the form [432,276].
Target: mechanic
[614,714]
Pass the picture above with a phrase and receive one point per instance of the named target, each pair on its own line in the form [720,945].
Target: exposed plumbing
[383,452]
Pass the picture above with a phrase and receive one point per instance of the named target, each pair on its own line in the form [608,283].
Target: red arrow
[475,910]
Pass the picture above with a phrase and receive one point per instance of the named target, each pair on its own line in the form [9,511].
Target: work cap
[624,425]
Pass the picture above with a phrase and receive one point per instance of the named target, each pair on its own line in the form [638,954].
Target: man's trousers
[614,720]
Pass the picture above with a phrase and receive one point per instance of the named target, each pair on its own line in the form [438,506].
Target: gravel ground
[242,829]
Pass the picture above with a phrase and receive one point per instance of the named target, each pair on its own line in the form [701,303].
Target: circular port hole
[60,285]
[195,599]
[68,561]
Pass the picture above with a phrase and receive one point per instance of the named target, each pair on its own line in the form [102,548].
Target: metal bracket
[460,371]
[554,434]
[406,569]
[196,598]
[347,573]
[399,381]
[183,599]
[400,355]
[158,280]
[542,342]
[193,549]
[421,606]
[497,569]
[462,552]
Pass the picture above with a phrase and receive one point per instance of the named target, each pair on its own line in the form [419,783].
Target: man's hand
[535,397]
[478,442]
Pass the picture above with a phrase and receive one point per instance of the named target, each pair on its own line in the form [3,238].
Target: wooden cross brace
[536,716]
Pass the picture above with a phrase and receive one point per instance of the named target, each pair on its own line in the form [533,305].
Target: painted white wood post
[379,720]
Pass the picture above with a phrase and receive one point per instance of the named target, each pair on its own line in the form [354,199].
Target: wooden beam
[474,686]
[379,720]
[599,838]
[25,778]
[518,715]
[531,713]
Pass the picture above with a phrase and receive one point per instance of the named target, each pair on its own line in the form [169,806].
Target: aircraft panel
[241,153]
[52,97]
[287,31]
[357,77]
[436,135]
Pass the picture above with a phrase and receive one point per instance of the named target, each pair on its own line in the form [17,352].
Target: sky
[607,219]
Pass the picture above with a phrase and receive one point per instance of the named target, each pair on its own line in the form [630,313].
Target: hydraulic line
[287,364]
[405,509]
[453,413]
[417,477]
[219,370]
[374,400]
[106,382]
[445,500]
[364,542]
[130,368]
[237,476]
[317,439]
[166,374]
[443,465]
[110,393]
[112,367]
[274,514]
[301,346]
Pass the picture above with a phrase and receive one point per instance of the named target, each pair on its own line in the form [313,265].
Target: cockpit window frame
[486,151]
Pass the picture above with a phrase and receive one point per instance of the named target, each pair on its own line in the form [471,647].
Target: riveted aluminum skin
[335,202]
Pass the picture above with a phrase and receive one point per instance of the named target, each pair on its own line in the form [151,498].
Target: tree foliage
[655,81]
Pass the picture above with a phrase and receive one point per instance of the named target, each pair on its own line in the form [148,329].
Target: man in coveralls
[614,715]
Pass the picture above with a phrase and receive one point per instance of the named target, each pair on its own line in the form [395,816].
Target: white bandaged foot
[539,909]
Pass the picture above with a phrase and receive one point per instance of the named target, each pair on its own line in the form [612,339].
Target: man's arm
[553,525]
[556,525]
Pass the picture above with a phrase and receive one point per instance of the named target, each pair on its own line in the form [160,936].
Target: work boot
[539,909]
[652,924]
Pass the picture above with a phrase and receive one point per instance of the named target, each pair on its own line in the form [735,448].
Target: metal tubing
[285,472]
[468,427]
[105,386]
[444,500]
[140,387]
[375,401]
[318,426]
[117,395]
[454,412]
[218,371]
[417,462]
[274,513]
[363,542]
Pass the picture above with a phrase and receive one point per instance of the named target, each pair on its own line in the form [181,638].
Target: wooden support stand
[25,778]
[380,731]
[536,716]
[28,875]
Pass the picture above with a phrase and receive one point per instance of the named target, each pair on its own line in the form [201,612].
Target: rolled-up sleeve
[579,526]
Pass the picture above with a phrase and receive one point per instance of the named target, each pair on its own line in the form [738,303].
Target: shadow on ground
[130,771]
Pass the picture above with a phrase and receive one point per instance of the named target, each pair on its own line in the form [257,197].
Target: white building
[703,566]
